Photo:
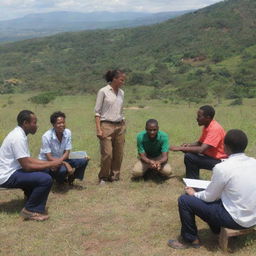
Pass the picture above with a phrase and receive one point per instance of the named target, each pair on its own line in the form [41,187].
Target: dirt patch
[137,108]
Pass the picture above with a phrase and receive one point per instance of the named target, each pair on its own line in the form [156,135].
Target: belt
[111,122]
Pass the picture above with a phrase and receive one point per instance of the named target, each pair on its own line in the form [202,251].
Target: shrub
[43,98]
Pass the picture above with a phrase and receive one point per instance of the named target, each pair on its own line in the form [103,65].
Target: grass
[124,218]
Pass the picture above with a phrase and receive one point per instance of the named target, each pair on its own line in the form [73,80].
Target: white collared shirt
[51,144]
[234,182]
[14,147]
[109,106]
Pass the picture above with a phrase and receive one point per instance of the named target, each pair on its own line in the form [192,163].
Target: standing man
[19,170]
[153,147]
[209,149]
[56,144]
[228,201]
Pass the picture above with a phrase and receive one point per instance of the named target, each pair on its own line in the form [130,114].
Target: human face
[31,126]
[59,125]
[152,130]
[201,119]
[119,81]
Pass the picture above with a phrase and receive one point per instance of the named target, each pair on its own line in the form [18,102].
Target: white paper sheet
[196,183]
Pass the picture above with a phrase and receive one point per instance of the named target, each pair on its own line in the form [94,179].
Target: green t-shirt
[153,148]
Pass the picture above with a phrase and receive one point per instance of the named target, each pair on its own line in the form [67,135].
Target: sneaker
[102,182]
[28,215]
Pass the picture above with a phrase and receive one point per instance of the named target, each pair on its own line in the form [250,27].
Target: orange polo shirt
[213,135]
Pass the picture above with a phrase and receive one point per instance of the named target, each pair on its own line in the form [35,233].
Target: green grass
[124,218]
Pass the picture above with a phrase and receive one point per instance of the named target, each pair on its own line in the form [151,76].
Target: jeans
[195,162]
[36,186]
[79,165]
[214,214]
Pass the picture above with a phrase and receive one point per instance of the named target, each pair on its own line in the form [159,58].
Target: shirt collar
[54,136]
[237,155]
[22,131]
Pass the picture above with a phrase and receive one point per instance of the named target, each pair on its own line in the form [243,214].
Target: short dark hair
[151,121]
[236,140]
[24,115]
[55,115]
[208,111]
[111,74]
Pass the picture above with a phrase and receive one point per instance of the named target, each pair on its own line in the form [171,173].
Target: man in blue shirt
[56,144]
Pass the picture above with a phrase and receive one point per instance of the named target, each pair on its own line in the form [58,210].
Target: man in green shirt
[153,147]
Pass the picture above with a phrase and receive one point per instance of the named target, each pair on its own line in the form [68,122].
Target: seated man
[209,149]
[228,200]
[56,144]
[19,170]
[153,147]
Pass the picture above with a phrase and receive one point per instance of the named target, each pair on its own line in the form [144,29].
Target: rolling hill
[211,51]
[45,24]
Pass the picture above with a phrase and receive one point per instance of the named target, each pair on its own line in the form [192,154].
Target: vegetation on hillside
[207,53]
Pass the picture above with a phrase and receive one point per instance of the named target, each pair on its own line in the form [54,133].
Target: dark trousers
[78,164]
[195,162]
[36,186]
[214,214]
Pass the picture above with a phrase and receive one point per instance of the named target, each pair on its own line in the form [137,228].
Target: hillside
[45,24]
[208,52]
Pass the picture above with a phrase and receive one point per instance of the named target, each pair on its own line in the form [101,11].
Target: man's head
[27,120]
[235,141]
[205,114]
[152,128]
[58,121]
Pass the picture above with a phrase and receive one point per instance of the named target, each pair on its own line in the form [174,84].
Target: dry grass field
[121,218]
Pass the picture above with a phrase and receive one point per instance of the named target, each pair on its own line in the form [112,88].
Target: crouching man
[229,200]
[19,170]
[153,147]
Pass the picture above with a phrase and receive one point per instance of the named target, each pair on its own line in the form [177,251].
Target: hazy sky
[17,8]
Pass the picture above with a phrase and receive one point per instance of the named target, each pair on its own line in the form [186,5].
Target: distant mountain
[39,25]
[211,51]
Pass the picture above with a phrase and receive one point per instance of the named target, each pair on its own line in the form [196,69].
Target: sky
[11,9]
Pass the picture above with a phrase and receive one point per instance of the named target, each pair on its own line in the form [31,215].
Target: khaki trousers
[111,148]
[140,168]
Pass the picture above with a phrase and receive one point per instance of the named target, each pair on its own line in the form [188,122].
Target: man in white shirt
[19,170]
[56,144]
[228,201]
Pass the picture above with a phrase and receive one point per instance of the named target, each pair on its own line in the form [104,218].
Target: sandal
[28,215]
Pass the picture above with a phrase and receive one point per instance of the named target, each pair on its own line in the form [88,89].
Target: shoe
[102,182]
[175,244]
[28,215]
[71,179]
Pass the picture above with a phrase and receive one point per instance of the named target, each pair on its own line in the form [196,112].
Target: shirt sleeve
[215,188]
[140,146]
[213,138]
[68,145]
[99,102]
[46,147]
[20,148]
[165,145]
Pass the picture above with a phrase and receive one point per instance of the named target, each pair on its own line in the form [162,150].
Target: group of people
[227,202]
[35,176]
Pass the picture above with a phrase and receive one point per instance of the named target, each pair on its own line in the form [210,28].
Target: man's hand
[56,163]
[100,134]
[175,148]
[190,191]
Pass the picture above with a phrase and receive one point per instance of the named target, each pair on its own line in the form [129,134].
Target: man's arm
[33,164]
[192,149]
[215,188]
[64,156]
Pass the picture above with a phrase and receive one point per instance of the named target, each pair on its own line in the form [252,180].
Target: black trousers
[214,214]
[194,162]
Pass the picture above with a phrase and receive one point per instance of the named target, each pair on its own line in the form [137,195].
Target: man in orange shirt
[209,149]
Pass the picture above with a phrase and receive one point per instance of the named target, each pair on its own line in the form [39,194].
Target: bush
[43,98]
[238,101]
